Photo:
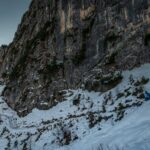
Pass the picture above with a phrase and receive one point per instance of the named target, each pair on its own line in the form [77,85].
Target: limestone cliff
[62,44]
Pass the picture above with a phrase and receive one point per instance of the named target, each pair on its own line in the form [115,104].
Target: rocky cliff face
[3,52]
[65,43]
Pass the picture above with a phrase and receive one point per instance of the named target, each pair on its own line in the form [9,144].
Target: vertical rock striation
[61,44]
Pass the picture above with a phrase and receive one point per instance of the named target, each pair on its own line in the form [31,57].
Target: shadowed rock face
[3,52]
[61,44]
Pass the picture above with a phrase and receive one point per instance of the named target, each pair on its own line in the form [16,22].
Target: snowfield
[115,120]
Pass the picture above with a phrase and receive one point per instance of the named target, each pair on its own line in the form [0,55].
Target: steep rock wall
[62,44]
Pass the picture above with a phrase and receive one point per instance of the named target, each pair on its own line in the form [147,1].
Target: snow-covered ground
[115,120]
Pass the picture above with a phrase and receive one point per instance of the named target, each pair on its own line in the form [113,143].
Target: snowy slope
[115,120]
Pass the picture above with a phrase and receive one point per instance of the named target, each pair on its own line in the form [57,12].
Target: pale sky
[11,12]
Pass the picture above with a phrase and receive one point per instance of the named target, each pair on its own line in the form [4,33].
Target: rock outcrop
[66,43]
[3,52]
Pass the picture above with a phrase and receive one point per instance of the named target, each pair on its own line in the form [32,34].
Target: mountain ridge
[68,44]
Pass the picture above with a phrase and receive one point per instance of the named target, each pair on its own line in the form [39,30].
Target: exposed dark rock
[59,44]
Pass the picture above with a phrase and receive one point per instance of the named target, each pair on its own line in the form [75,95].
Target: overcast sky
[11,12]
